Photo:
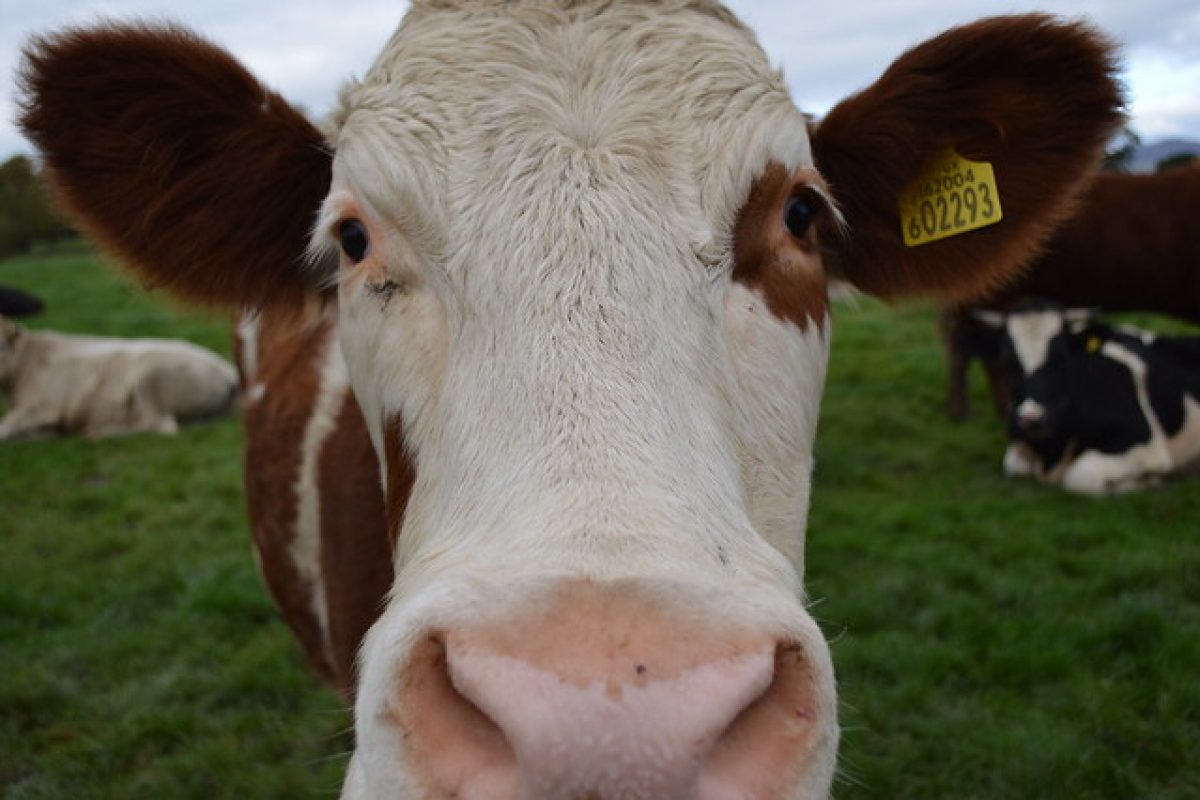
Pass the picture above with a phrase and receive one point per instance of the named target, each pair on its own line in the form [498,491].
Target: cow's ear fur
[176,160]
[1034,97]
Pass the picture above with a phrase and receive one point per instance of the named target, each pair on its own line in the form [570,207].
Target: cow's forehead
[465,95]
[1031,333]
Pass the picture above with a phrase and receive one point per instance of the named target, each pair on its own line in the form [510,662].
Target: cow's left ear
[176,160]
[1033,97]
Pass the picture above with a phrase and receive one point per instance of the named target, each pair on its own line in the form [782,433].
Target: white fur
[247,336]
[1031,332]
[305,547]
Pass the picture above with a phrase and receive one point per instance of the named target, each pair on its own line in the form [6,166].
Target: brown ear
[1034,97]
[176,160]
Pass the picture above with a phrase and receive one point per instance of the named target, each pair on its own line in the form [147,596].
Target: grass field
[992,639]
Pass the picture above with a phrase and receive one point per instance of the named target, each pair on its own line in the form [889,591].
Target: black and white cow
[1097,409]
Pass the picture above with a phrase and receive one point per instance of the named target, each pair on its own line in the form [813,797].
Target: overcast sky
[305,48]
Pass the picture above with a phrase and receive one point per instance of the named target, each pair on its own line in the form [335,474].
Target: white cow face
[587,349]
[597,386]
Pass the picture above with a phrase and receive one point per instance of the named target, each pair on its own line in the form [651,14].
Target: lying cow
[60,384]
[1132,247]
[571,258]
[16,303]
[1097,409]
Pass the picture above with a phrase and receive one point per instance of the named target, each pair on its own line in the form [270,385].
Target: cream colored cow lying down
[60,384]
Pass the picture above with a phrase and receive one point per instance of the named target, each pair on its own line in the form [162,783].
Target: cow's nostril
[775,739]
[457,748]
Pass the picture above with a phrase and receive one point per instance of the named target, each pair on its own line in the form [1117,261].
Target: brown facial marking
[275,428]
[786,271]
[400,476]
[356,559]
[355,551]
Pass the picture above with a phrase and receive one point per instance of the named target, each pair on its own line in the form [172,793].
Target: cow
[16,303]
[63,384]
[1132,247]
[574,258]
[1096,409]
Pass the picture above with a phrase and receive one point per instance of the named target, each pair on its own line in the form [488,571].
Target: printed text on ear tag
[953,196]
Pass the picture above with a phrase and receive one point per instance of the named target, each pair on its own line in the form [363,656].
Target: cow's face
[580,253]
[1049,366]
[1037,344]
[562,302]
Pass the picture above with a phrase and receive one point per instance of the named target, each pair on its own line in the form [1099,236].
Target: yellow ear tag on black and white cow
[1093,344]
[953,196]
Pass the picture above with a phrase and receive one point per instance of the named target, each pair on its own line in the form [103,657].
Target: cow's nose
[640,709]
[1031,417]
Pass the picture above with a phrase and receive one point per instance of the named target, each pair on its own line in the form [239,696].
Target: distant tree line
[26,214]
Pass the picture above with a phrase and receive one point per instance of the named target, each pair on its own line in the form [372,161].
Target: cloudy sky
[305,48]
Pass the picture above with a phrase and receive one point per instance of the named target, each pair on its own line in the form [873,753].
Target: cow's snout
[609,699]
[1032,419]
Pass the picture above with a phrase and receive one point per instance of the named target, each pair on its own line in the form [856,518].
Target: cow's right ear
[177,161]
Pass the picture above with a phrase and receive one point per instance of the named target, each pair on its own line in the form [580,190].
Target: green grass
[992,639]
[139,653]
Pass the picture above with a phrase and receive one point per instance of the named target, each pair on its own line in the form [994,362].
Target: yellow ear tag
[953,196]
[1093,344]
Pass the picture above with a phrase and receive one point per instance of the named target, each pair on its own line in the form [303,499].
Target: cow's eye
[799,214]
[353,236]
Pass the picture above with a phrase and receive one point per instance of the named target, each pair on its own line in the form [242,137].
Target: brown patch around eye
[785,270]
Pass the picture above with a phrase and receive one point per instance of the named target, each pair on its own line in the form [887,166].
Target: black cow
[15,303]
[1097,409]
